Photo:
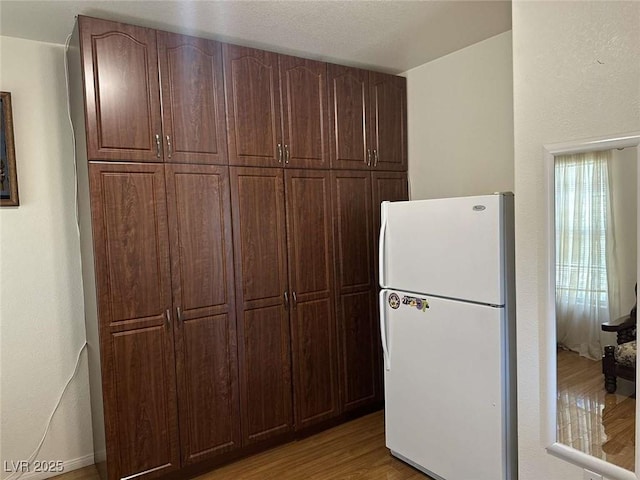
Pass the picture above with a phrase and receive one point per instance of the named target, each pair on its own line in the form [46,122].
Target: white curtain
[586,277]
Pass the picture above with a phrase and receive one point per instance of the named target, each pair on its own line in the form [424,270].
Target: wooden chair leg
[609,369]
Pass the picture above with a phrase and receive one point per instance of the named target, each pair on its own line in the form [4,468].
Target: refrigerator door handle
[383,332]
[383,230]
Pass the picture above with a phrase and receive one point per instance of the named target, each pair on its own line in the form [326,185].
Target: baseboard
[67,466]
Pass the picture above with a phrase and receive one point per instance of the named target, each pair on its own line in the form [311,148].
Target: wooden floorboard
[591,420]
[352,451]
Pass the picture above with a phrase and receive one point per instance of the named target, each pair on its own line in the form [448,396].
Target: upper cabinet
[277,111]
[129,118]
[368,114]
[192,99]
[388,125]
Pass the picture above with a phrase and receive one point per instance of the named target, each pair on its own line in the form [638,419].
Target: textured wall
[41,310]
[576,75]
[460,117]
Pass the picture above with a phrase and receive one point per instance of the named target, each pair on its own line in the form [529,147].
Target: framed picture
[8,176]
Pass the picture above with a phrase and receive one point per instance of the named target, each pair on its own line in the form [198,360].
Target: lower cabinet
[284,286]
[164,278]
[357,195]
[236,306]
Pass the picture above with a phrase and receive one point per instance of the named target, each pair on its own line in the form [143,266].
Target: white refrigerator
[447,324]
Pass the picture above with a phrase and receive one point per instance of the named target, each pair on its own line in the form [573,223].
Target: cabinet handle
[368,159]
[179,312]
[286,154]
[279,153]
[168,317]
[286,300]
[169,147]
[157,145]
[375,157]
[295,300]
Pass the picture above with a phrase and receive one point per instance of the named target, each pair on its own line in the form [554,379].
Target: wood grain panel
[385,186]
[201,248]
[122,92]
[266,376]
[198,199]
[257,200]
[207,378]
[305,112]
[349,104]
[131,243]
[389,121]
[356,291]
[145,394]
[259,234]
[310,246]
[192,99]
[253,106]
[359,349]
[353,230]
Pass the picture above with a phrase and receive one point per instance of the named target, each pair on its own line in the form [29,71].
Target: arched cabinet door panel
[193,120]
[122,95]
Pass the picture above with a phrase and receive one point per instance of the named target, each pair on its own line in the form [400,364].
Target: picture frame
[8,173]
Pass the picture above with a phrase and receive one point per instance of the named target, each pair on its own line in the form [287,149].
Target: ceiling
[388,35]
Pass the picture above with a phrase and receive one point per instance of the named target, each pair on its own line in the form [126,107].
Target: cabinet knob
[295,300]
[286,300]
[179,312]
[286,154]
[157,145]
[375,157]
[368,159]
[167,316]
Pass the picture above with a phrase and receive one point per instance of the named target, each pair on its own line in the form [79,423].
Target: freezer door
[449,247]
[444,386]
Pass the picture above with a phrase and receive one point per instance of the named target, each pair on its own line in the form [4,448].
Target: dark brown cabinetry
[284,289]
[122,65]
[355,287]
[257,197]
[203,295]
[368,113]
[313,329]
[356,198]
[134,303]
[277,112]
[233,307]
[150,309]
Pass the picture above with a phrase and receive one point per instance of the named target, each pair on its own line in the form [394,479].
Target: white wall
[576,75]
[624,186]
[460,118]
[41,310]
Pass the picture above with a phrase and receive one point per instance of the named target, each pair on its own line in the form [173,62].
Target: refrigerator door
[444,385]
[452,247]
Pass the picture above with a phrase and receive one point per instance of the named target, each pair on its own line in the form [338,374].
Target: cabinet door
[305,112]
[192,99]
[131,245]
[313,335]
[349,104]
[259,238]
[253,106]
[122,95]
[389,121]
[392,187]
[386,186]
[205,332]
[355,290]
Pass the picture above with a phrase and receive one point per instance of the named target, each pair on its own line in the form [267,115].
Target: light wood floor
[353,451]
[590,419]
